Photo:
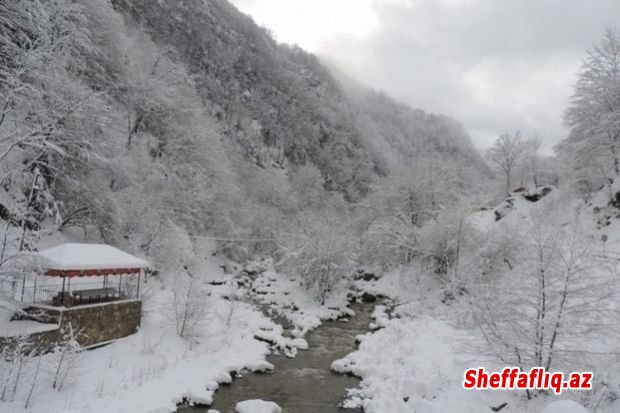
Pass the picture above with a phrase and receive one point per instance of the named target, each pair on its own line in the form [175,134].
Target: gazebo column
[34,290]
[138,289]
[62,293]
[23,286]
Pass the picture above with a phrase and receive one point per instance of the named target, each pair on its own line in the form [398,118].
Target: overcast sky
[496,66]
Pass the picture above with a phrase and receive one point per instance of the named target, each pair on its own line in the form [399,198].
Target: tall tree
[551,296]
[39,102]
[532,158]
[594,111]
[506,153]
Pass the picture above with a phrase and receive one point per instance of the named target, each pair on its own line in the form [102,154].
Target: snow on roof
[89,257]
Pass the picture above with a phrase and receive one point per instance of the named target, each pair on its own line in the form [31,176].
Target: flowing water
[303,384]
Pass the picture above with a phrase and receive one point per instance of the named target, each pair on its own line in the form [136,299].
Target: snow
[564,406]
[416,365]
[416,360]
[262,366]
[413,362]
[380,317]
[257,406]
[155,369]
[299,343]
[285,296]
[407,364]
[10,328]
[75,256]
[513,210]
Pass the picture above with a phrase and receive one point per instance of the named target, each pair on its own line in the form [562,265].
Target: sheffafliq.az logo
[511,378]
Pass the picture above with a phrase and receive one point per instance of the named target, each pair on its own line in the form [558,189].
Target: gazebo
[76,261]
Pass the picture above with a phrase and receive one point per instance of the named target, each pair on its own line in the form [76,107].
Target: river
[303,384]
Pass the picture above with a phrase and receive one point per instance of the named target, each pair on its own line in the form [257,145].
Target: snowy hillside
[280,223]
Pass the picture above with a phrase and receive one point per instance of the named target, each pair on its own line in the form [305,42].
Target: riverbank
[412,360]
[415,360]
[303,383]
[155,369]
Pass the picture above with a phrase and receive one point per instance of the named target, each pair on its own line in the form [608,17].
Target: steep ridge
[282,105]
[164,120]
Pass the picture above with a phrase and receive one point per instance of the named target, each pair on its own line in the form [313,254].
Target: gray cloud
[496,66]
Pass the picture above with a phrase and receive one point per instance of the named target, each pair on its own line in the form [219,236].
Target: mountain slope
[280,104]
[160,121]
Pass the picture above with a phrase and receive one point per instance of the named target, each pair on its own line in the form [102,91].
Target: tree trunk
[542,311]
[614,151]
[508,184]
[558,321]
[33,187]
[458,248]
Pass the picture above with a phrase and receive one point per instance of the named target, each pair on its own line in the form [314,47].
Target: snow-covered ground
[411,360]
[285,296]
[416,360]
[10,328]
[155,369]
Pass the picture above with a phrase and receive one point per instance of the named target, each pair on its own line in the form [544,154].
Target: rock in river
[257,406]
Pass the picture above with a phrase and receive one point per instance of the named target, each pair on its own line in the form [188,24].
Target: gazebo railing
[17,291]
[46,293]
[40,294]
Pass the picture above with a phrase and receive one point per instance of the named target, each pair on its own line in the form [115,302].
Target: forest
[249,174]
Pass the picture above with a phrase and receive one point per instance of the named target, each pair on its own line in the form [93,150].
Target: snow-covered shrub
[190,301]
[170,249]
[551,294]
[321,255]
[65,358]
[88,209]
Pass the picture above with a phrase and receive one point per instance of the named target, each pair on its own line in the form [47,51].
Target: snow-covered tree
[40,104]
[532,162]
[190,304]
[551,299]
[505,154]
[593,144]
[396,211]
[321,253]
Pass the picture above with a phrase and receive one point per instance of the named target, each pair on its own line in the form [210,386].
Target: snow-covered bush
[170,249]
[551,295]
[321,255]
[190,303]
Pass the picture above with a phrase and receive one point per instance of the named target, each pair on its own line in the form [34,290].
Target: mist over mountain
[193,98]
[281,105]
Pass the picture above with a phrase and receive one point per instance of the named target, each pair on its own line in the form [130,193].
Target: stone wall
[92,324]
[99,323]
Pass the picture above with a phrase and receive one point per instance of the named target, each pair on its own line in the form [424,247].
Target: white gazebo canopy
[77,260]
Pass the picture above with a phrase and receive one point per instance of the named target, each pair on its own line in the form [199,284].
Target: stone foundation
[91,324]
